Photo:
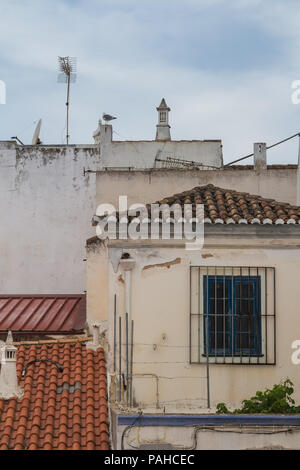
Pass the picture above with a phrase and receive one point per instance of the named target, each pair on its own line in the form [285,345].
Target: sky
[225,68]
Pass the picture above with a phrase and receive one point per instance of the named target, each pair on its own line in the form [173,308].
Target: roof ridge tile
[220,204]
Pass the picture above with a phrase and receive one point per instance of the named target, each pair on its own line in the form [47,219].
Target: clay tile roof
[42,313]
[59,410]
[227,204]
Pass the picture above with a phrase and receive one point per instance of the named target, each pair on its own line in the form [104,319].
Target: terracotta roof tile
[55,412]
[225,206]
[229,206]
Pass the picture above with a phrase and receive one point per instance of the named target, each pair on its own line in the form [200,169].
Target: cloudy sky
[225,68]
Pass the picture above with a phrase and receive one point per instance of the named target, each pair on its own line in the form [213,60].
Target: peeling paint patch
[167,264]
[207,255]
[120,279]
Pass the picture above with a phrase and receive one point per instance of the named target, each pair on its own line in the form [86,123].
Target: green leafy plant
[275,400]
[222,409]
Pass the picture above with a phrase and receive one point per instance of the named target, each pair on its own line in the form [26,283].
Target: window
[163,116]
[232,315]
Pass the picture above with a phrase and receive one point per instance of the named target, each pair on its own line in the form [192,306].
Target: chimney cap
[9,343]
[163,106]
[9,339]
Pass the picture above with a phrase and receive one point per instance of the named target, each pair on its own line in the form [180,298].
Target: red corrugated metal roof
[42,313]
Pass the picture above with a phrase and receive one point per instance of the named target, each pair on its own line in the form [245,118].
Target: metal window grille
[232,315]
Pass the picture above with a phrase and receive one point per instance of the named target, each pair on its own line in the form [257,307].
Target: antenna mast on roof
[67,67]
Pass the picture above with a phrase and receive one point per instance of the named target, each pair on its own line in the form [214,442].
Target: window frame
[234,332]
[266,353]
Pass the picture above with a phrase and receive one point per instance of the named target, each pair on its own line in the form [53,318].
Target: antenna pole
[67,104]
[67,67]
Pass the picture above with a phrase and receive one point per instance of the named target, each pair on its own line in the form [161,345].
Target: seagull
[108,117]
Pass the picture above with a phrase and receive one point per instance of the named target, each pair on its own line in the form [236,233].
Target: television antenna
[174,162]
[67,67]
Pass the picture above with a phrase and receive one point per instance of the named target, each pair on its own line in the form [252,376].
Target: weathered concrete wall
[218,438]
[47,201]
[152,185]
[142,154]
[160,307]
[46,206]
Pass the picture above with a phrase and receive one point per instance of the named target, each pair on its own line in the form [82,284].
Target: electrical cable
[59,367]
[269,147]
[129,427]
[214,429]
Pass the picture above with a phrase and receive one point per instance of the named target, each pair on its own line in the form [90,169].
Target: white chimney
[9,387]
[163,127]
[260,156]
[103,133]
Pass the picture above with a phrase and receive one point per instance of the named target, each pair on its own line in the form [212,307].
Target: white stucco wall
[152,185]
[46,206]
[142,154]
[48,200]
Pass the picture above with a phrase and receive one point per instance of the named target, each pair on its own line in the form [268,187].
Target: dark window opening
[232,306]
[232,317]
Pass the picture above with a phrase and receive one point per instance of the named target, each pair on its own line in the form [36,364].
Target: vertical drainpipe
[127,280]
[298,177]
[128,322]
[127,263]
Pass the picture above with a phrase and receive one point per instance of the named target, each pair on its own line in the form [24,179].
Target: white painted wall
[152,185]
[141,154]
[46,206]
[47,203]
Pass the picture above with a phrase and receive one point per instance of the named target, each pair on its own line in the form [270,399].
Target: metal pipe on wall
[120,359]
[131,364]
[115,331]
[207,363]
[127,291]
[128,264]
[127,358]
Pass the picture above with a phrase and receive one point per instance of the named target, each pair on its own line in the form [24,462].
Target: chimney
[260,157]
[103,133]
[163,128]
[9,387]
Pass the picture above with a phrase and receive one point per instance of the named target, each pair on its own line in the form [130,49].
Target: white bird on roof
[108,117]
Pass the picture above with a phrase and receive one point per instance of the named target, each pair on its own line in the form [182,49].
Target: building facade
[191,328]
[49,194]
